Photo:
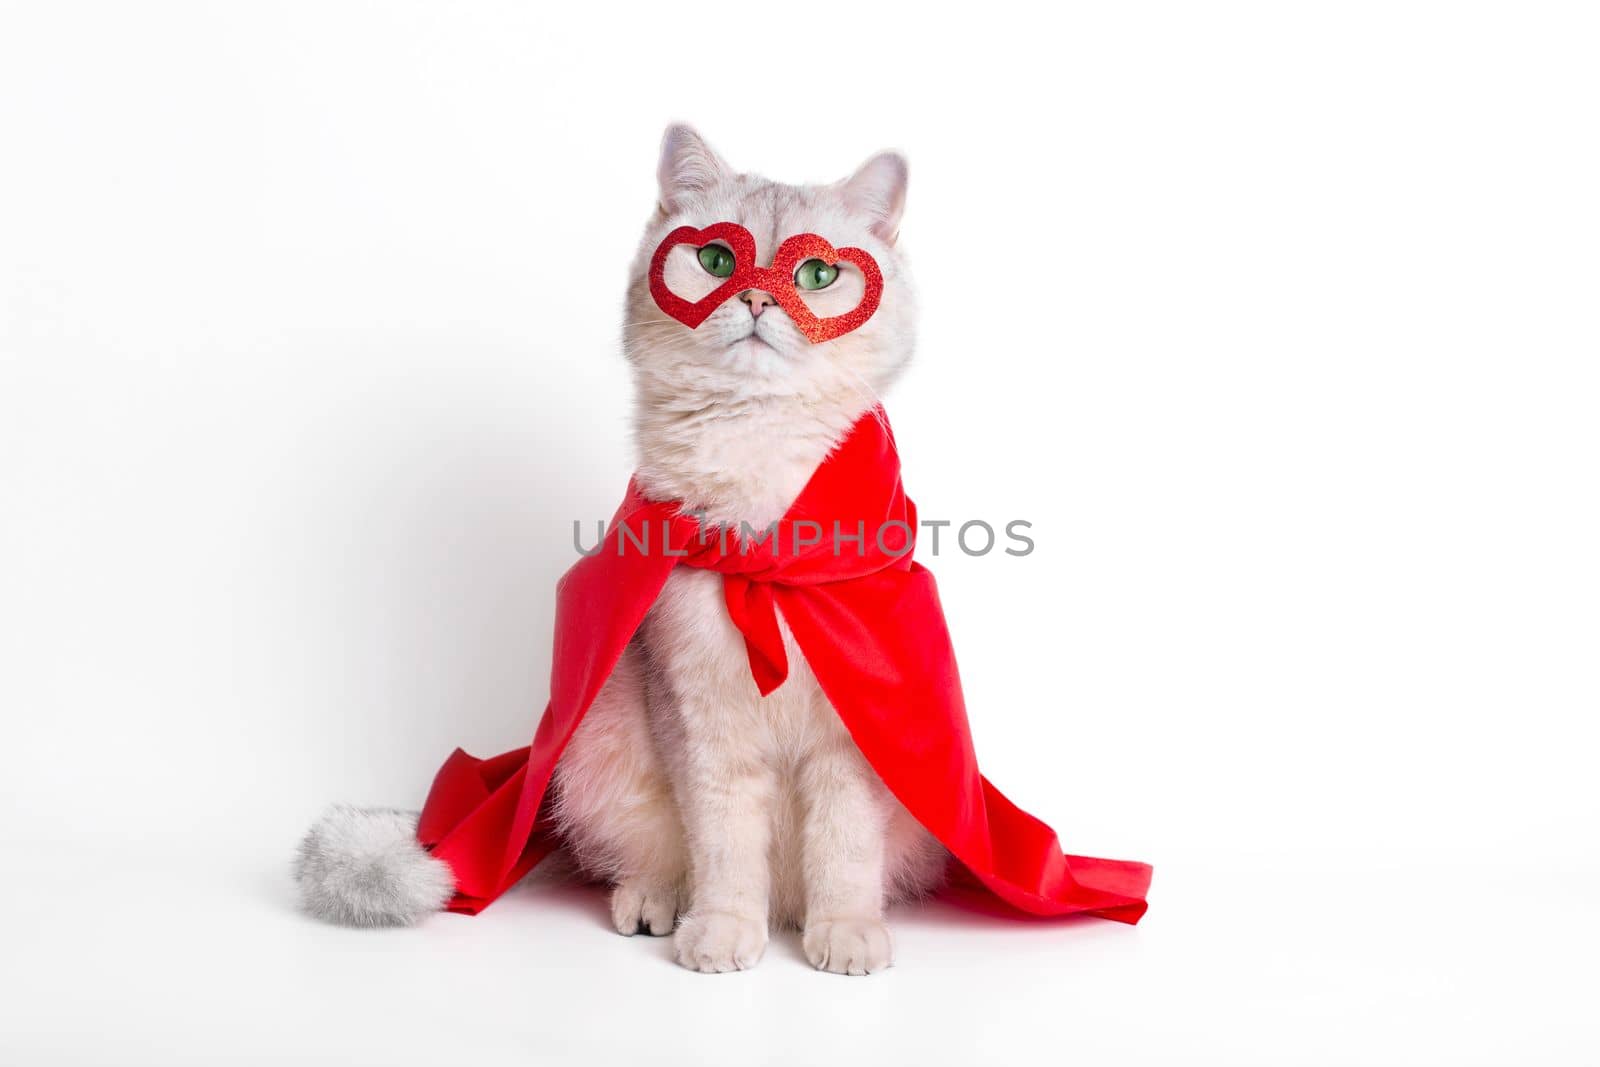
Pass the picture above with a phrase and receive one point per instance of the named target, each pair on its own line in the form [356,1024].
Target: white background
[1278,322]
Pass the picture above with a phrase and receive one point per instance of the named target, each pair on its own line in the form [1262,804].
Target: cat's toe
[716,942]
[849,946]
[643,908]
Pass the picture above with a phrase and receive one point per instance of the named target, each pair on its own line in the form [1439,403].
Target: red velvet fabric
[869,623]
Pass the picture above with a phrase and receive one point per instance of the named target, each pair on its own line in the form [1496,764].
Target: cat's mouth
[755,341]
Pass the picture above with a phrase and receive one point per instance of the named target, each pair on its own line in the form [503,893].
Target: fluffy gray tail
[363,867]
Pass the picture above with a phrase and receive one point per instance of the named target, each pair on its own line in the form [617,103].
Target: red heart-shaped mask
[776,280]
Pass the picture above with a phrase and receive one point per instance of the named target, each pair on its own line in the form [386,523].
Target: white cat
[701,802]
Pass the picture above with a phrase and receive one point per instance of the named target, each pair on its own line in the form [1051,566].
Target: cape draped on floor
[868,621]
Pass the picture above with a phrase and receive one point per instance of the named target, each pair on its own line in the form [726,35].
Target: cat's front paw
[715,942]
[643,908]
[849,946]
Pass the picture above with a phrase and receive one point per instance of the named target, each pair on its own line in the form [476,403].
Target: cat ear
[689,167]
[878,190]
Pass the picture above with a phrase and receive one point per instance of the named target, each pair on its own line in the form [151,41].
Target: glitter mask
[777,280]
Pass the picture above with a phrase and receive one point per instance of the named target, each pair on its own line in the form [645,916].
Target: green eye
[815,274]
[717,260]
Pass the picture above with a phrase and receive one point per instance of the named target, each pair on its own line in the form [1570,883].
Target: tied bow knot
[793,551]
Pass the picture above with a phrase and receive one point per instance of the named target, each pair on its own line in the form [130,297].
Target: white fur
[363,867]
[683,786]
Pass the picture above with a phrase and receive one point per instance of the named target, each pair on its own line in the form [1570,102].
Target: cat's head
[749,348]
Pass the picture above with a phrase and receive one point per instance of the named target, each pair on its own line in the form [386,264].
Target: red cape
[867,620]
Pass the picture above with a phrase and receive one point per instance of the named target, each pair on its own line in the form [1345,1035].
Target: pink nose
[756,301]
